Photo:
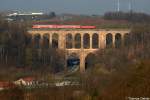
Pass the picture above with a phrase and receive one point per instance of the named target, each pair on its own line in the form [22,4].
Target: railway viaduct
[80,41]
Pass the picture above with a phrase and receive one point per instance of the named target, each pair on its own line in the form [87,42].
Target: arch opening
[90,61]
[86,41]
[109,43]
[29,41]
[46,44]
[37,38]
[55,40]
[126,39]
[118,40]
[95,41]
[69,41]
[73,62]
[78,41]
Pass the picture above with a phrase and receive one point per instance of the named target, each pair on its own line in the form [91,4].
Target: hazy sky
[74,6]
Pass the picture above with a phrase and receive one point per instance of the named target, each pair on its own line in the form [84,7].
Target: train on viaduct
[77,39]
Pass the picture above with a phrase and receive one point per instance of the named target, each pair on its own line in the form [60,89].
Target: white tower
[118,5]
[130,5]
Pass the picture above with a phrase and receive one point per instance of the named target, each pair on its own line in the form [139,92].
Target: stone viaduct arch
[81,42]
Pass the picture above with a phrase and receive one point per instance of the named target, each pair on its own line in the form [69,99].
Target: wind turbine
[118,5]
[130,5]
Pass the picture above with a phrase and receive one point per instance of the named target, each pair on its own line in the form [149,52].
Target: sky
[74,6]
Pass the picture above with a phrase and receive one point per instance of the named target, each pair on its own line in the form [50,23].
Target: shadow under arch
[69,41]
[78,41]
[73,61]
[46,40]
[86,41]
[55,38]
[118,40]
[95,41]
[127,39]
[29,41]
[109,40]
[36,39]
[90,60]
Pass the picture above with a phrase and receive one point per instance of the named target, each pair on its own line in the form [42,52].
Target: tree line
[16,49]
[120,73]
[133,17]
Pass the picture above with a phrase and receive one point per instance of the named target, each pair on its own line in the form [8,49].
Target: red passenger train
[63,27]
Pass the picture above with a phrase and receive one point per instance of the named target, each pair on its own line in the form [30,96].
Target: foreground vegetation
[114,74]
